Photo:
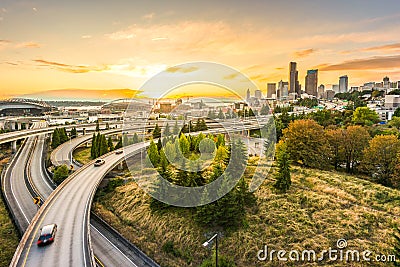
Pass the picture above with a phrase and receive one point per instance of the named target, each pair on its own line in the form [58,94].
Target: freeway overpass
[74,196]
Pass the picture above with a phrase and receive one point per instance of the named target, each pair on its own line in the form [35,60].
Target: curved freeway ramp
[69,207]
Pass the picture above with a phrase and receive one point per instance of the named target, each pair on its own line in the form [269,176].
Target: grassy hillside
[8,234]
[320,208]
[82,155]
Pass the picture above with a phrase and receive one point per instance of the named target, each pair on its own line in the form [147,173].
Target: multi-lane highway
[69,207]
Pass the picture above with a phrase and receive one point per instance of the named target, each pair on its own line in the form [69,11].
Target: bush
[60,174]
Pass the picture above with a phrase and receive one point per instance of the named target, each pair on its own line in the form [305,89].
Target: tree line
[229,210]
[60,136]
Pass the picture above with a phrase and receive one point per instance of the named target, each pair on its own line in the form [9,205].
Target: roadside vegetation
[9,237]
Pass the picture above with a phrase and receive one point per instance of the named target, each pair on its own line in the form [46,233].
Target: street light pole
[205,244]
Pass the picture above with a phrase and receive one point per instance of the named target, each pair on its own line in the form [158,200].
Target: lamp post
[205,244]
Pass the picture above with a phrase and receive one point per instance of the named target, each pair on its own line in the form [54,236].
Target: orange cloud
[388,47]
[70,68]
[385,62]
[304,53]
[28,45]
[181,69]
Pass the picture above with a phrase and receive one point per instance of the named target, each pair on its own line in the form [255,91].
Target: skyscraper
[271,89]
[294,86]
[282,89]
[343,84]
[312,82]
[248,95]
[321,91]
[258,94]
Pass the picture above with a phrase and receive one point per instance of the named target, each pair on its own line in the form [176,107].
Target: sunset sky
[48,45]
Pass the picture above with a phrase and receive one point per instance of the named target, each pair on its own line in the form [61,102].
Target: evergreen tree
[220,140]
[184,144]
[93,148]
[110,144]
[159,144]
[175,130]
[283,179]
[97,126]
[156,131]
[73,133]
[153,154]
[135,138]
[98,145]
[119,143]
[55,140]
[220,114]
[167,131]
[63,135]
[125,140]
[264,110]
[103,145]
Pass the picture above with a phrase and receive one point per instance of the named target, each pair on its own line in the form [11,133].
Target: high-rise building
[258,94]
[248,95]
[281,92]
[321,91]
[335,88]
[386,82]
[271,89]
[343,84]
[294,86]
[312,82]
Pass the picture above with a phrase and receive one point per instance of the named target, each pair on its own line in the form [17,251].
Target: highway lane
[69,207]
[105,246]
[14,187]
[16,135]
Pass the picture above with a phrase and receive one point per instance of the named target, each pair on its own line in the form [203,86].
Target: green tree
[110,144]
[220,114]
[336,143]
[380,158]
[93,148]
[119,143]
[283,176]
[61,173]
[395,122]
[184,144]
[73,133]
[103,145]
[397,112]
[264,110]
[153,154]
[220,140]
[156,131]
[97,126]
[306,143]
[63,135]
[135,138]
[175,130]
[365,116]
[55,139]
[167,131]
[355,139]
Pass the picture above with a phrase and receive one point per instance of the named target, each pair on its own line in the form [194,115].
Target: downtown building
[343,84]
[294,85]
[311,82]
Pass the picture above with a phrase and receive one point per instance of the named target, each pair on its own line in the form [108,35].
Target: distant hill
[83,94]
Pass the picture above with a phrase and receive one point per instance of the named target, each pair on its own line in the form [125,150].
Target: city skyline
[47,46]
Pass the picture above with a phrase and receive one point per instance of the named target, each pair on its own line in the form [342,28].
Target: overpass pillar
[248,133]
[12,126]
[120,165]
[14,146]
[19,125]
[84,131]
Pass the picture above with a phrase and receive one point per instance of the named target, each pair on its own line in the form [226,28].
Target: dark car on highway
[47,234]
